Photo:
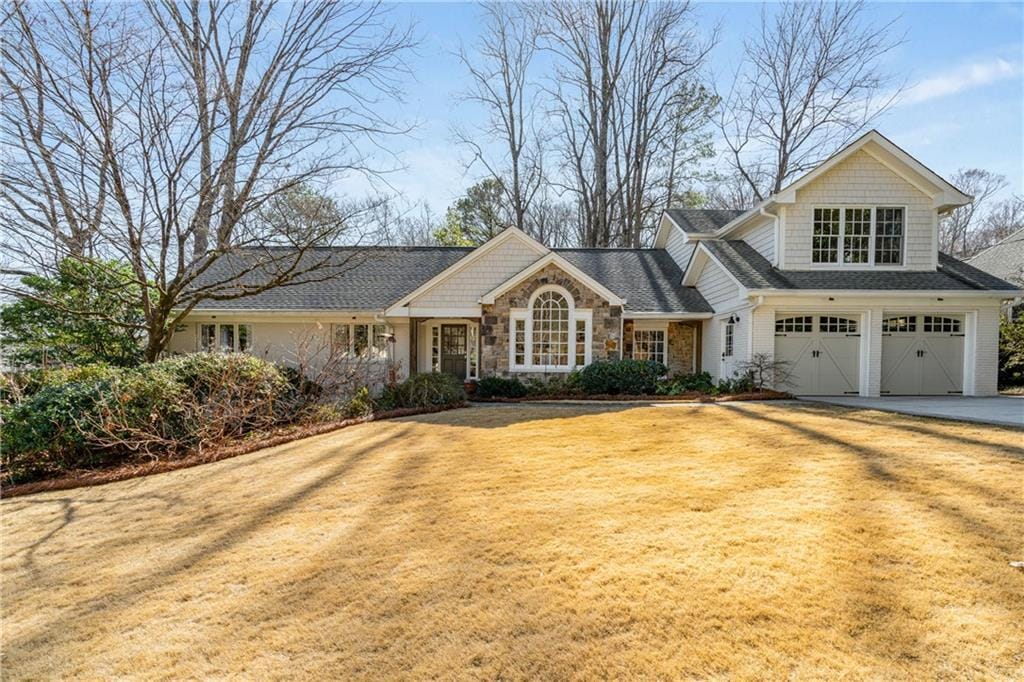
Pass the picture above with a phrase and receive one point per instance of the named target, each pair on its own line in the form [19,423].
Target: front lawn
[525,541]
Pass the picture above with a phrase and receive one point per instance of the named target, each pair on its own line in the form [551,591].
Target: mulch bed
[692,397]
[285,434]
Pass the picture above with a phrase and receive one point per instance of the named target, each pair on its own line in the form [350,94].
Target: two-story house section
[839,276]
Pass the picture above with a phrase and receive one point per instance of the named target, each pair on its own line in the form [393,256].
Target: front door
[453,350]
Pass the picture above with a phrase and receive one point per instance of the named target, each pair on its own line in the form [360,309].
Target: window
[941,325]
[649,344]
[727,341]
[825,244]
[435,349]
[225,338]
[361,340]
[794,325]
[857,236]
[474,350]
[888,236]
[899,324]
[550,335]
[837,325]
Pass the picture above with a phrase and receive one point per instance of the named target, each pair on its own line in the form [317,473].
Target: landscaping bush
[687,383]
[1011,352]
[614,377]
[554,386]
[741,383]
[423,390]
[500,387]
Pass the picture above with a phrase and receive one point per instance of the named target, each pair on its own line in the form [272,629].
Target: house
[839,275]
[1005,260]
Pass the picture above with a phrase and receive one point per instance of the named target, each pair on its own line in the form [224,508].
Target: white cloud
[964,77]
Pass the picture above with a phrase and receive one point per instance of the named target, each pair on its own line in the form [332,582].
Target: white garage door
[922,355]
[822,353]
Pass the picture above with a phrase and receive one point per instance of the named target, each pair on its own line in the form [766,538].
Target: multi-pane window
[550,343]
[858,236]
[899,324]
[649,344]
[825,243]
[361,340]
[837,325]
[794,325]
[435,349]
[727,346]
[888,236]
[519,342]
[474,350]
[581,343]
[226,338]
[944,325]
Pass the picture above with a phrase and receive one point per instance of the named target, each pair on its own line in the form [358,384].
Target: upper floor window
[550,335]
[225,338]
[858,236]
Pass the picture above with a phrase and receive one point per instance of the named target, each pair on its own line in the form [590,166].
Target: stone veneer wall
[680,351]
[494,331]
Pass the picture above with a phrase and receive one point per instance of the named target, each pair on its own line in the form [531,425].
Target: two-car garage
[921,354]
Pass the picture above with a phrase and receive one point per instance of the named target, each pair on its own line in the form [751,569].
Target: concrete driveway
[1003,410]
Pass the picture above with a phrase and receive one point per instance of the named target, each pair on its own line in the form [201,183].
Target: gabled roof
[702,220]
[1005,259]
[560,262]
[754,272]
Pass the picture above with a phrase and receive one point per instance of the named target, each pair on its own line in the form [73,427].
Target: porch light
[733,319]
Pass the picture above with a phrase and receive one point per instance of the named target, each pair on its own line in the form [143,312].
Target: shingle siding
[861,180]
[465,287]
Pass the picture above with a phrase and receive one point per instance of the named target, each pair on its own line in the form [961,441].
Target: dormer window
[858,236]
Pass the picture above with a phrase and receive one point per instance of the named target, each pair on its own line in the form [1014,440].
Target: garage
[821,352]
[922,355]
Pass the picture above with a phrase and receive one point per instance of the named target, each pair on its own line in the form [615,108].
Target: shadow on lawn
[137,590]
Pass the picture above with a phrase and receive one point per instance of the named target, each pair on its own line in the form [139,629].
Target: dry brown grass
[753,540]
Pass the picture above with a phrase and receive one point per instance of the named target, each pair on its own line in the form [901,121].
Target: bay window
[225,338]
[869,235]
[551,334]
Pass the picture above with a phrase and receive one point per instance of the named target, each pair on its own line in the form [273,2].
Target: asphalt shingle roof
[1005,259]
[702,220]
[373,278]
[755,272]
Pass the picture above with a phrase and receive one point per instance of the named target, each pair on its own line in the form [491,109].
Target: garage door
[822,353]
[922,355]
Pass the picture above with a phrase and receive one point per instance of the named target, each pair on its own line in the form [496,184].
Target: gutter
[897,293]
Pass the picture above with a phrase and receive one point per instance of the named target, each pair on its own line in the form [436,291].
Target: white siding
[762,239]
[986,353]
[711,354]
[465,287]
[716,286]
[861,180]
[679,248]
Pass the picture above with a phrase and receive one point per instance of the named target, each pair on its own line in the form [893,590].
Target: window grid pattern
[899,324]
[435,349]
[474,351]
[727,351]
[941,325]
[888,236]
[550,330]
[857,235]
[581,343]
[837,325]
[795,324]
[520,342]
[649,344]
[825,244]
[208,337]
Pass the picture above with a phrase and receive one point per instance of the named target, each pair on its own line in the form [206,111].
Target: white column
[871,353]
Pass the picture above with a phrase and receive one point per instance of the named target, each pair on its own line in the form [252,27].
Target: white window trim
[216,336]
[472,330]
[871,240]
[651,326]
[379,354]
[526,314]
[728,350]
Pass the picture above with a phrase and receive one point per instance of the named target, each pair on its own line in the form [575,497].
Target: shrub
[630,377]
[500,387]
[423,390]
[1011,352]
[742,383]
[687,383]
[359,405]
[554,385]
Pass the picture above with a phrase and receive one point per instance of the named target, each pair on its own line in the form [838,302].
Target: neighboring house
[839,274]
[1005,260]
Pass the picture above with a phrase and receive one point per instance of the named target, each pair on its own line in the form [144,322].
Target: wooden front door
[453,350]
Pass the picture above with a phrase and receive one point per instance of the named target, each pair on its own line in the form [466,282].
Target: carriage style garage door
[822,353]
[922,355]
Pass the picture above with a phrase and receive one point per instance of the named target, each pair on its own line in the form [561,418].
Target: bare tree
[957,230]
[500,73]
[811,81]
[159,135]
[1005,218]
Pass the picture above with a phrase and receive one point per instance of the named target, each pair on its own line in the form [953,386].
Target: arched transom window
[551,334]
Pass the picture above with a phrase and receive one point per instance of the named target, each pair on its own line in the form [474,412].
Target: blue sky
[964,108]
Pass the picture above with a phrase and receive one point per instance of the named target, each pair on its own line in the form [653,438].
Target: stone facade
[679,352]
[494,330]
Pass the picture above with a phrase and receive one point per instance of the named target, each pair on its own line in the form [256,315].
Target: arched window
[550,342]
